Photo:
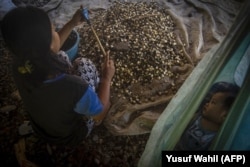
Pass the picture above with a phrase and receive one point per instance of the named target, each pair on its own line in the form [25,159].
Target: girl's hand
[108,68]
[77,18]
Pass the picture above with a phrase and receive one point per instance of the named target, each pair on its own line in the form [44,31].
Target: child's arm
[104,87]
[67,28]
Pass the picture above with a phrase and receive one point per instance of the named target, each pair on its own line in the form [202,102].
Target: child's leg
[62,55]
[86,70]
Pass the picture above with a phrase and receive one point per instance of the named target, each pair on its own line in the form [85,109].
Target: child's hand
[77,18]
[108,68]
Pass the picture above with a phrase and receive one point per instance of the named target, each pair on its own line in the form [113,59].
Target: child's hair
[229,100]
[27,32]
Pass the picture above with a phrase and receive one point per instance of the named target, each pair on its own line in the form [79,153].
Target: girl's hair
[27,32]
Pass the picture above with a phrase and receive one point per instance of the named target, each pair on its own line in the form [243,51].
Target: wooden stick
[98,40]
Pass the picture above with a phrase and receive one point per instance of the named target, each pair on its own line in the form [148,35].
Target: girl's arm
[104,87]
[68,27]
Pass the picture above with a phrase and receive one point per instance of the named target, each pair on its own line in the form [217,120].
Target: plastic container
[71,44]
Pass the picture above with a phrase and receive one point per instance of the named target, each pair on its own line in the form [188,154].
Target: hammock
[219,64]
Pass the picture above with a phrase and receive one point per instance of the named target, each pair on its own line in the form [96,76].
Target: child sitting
[56,101]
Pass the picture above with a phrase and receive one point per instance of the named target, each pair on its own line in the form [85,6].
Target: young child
[202,130]
[55,100]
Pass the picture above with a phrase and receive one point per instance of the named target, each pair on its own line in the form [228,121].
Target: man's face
[214,110]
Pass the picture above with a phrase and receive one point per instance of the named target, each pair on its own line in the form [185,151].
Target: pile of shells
[142,42]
